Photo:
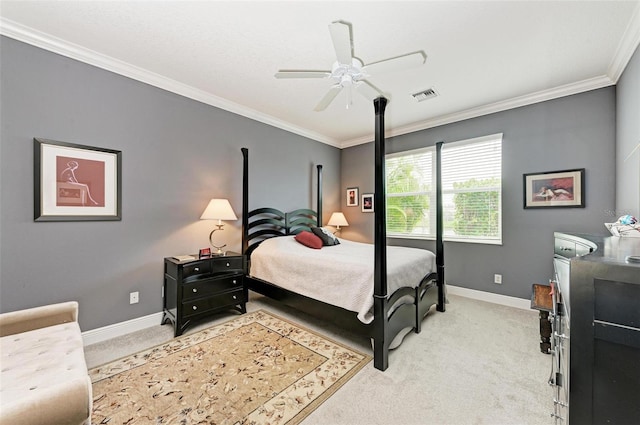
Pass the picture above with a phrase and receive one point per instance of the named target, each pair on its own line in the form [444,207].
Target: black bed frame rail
[427,293]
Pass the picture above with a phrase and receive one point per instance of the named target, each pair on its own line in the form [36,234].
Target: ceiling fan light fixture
[346,80]
[346,75]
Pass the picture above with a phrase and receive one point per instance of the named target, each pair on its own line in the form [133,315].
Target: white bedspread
[340,275]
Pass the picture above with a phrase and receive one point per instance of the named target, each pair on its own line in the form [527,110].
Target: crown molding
[516,102]
[626,48]
[56,45]
[628,45]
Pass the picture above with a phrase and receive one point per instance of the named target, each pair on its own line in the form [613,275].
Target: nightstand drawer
[223,264]
[206,287]
[218,301]
[196,269]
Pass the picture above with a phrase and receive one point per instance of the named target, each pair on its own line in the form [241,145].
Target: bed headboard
[264,223]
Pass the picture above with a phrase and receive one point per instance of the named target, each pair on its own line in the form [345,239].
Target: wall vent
[425,94]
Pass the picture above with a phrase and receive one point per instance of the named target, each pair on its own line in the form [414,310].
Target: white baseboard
[118,329]
[521,303]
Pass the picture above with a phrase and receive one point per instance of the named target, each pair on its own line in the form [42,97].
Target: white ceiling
[482,56]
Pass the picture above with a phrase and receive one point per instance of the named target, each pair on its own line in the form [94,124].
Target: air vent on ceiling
[425,94]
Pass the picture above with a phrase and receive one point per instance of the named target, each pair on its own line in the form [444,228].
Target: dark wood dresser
[596,330]
[196,289]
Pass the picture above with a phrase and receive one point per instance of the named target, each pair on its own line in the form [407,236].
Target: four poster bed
[338,283]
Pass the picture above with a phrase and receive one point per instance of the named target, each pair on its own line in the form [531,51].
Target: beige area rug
[255,369]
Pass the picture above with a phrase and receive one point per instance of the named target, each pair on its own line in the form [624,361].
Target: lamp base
[218,248]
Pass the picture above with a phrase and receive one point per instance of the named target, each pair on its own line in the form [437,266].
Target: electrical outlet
[497,278]
[134,297]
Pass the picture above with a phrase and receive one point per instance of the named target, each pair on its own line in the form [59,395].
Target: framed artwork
[352,196]
[554,189]
[76,182]
[367,202]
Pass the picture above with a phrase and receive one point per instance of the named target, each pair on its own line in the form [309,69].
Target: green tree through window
[406,199]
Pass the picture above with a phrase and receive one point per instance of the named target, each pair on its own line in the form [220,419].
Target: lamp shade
[218,209]
[337,219]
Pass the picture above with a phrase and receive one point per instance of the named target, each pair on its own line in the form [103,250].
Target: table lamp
[337,219]
[218,209]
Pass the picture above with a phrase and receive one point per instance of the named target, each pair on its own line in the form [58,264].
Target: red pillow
[309,239]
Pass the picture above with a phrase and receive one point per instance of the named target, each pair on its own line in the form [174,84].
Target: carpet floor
[478,363]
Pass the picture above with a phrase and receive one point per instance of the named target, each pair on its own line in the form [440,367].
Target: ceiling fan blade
[301,73]
[328,98]
[368,90]
[397,63]
[342,43]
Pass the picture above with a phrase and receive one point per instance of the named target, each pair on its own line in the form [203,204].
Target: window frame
[451,192]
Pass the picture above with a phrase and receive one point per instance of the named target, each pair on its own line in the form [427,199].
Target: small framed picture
[367,202]
[352,196]
[205,253]
[559,189]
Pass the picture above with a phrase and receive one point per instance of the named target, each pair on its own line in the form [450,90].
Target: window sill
[447,239]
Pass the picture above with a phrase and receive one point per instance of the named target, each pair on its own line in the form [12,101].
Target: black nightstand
[199,288]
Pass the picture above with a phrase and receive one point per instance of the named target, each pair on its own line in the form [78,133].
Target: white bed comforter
[340,275]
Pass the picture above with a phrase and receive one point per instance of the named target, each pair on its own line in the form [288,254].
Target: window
[471,191]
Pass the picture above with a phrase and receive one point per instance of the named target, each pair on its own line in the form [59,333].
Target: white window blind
[471,191]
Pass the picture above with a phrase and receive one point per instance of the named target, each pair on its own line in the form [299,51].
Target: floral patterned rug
[255,369]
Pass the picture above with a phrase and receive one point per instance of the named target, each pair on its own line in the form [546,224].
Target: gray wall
[176,154]
[628,138]
[572,132]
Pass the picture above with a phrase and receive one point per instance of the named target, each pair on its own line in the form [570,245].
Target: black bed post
[439,230]
[245,200]
[380,345]
[319,194]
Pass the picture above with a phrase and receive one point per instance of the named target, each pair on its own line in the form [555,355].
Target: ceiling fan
[349,71]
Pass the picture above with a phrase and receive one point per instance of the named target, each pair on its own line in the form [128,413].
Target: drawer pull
[235,281]
[197,269]
[227,264]
[195,290]
[565,248]
[234,297]
[194,307]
